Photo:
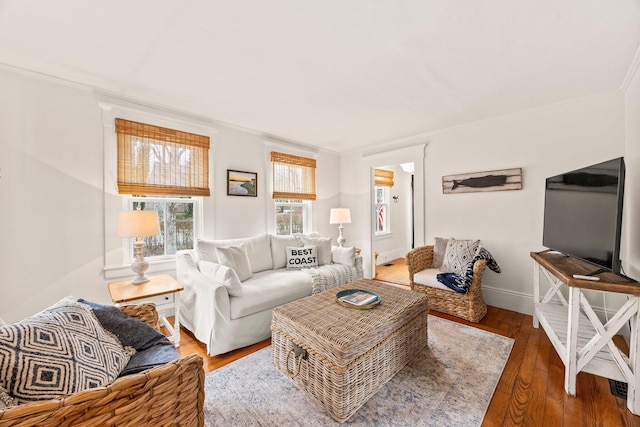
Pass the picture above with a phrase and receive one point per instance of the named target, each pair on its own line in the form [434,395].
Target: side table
[161,290]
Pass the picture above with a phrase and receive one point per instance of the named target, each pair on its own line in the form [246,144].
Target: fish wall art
[499,180]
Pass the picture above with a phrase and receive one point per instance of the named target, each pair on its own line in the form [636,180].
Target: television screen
[583,213]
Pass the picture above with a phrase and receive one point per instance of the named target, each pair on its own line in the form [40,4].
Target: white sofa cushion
[323,245]
[429,278]
[258,249]
[344,256]
[235,257]
[269,289]
[224,275]
[279,249]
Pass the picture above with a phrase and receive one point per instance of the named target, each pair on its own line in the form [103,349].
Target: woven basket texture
[167,395]
[375,344]
[469,306]
[340,334]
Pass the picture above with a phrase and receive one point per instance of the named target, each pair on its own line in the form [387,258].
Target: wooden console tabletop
[564,267]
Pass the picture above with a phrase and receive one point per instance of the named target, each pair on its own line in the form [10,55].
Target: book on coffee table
[359,298]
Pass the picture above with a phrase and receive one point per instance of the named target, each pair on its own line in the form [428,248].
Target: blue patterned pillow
[58,352]
[458,255]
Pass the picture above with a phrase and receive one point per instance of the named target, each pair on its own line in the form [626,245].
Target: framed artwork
[241,183]
[498,180]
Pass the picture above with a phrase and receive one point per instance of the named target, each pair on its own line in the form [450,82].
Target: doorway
[393,225]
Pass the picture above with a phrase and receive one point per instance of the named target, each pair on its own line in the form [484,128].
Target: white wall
[52,193]
[543,142]
[631,238]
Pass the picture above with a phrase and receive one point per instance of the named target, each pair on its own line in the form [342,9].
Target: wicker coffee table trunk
[342,356]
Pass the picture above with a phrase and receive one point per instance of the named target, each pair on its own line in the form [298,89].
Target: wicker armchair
[469,306]
[167,395]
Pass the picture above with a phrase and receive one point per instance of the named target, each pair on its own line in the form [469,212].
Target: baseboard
[386,256]
[508,300]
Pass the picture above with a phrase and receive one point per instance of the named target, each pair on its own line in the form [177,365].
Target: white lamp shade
[138,223]
[340,216]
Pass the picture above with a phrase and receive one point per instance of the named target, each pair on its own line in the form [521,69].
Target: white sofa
[227,322]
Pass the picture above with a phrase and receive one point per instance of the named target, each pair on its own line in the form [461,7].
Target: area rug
[450,383]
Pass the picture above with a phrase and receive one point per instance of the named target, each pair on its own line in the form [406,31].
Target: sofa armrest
[419,259]
[203,302]
[171,394]
[357,265]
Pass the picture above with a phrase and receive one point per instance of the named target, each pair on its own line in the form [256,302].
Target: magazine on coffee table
[359,298]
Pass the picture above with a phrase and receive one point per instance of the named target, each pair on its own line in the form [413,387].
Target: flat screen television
[583,214]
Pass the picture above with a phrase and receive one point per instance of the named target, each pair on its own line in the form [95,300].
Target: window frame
[306,217]
[129,200]
[114,264]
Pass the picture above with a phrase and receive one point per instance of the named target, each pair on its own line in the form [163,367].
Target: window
[383,184]
[153,160]
[177,225]
[294,177]
[164,170]
[291,216]
[294,189]
[382,210]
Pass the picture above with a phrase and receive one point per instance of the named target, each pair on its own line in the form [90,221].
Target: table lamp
[340,216]
[138,224]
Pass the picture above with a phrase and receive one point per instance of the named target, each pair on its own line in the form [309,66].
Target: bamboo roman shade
[294,177]
[153,160]
[383,178]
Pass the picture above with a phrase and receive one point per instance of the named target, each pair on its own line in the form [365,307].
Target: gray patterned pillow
[439,249]
[459,254]
[58,352]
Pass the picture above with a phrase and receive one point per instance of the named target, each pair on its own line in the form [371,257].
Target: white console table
[581,340]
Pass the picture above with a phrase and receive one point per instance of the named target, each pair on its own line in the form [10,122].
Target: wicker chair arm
[145,312]
[171,394]
[419,259]
[478,270]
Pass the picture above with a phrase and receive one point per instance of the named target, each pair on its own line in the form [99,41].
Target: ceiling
[339,74]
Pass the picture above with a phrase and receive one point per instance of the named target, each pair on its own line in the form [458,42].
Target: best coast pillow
[344,256]
[58,352]
[301,257]
[459,254]
[439,249]
[235,257]
[224,275]
[323,246]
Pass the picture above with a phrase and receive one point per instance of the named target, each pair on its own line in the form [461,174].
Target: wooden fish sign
[499,180]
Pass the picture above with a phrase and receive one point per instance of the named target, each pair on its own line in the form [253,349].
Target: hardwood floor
[531,389]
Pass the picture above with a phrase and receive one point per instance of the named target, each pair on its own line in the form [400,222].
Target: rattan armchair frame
[469,306]
[167,395]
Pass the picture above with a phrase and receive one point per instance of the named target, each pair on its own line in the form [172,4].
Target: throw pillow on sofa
[459,254]
[224,275]
[439,250]
[258,249]
[59,351]
[279,249]
[344,256]
[323,246]
[152,347]
[235,257]
[303,257]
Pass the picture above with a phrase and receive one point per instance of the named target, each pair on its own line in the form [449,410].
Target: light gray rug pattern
[450,383]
